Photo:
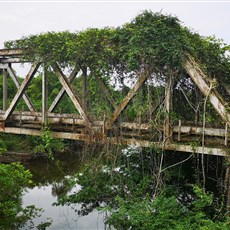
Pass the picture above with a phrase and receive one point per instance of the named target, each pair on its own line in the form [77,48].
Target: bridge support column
[5,90]
[168,127]
[44,96]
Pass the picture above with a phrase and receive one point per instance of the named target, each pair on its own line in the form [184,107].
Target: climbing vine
[149,39]
[119,54]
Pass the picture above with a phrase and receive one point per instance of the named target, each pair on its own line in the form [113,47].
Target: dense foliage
[119,54]
[130,188]
[13,179]
[151,39]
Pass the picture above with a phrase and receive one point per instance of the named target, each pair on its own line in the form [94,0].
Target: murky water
[48,178]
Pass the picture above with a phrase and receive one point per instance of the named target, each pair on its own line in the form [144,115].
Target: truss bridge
[110,126]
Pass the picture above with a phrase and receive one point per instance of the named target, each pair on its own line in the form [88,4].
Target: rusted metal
[72,96]
[172,147]
[21,90]
[3,66]
[62,91]
[121,141]
[198,131]
[12,60]
[226,135]
[69,119]
[2,126]
[34,132]
[203,83]
[11,52]
[5,89]
[145,75]
[17,83]
[76,127]
[179,130]
[44,96]
[168,110]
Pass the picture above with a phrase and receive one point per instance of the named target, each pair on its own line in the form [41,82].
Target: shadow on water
[49,179]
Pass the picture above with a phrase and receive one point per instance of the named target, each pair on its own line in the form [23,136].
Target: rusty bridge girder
[84,127]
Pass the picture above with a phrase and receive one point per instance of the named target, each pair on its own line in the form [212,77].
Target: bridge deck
[70,126]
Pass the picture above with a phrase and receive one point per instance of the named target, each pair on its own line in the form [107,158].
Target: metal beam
[11,52]
[2,66]
[62,91]
[57,118]
[168,109]
[44,95]
[145,75]
[76,101]
[17,83]
[13,60]
[34,132]
[122,141]
[200,79]
[22,89]
[5,89]
[170,147]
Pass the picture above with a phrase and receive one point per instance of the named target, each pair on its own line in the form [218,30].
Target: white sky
[19,19]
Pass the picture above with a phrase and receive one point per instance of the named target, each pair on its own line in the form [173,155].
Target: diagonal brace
[17,83]
[146,74]
[76,101]
[201,80]
[62,91]
[21,89]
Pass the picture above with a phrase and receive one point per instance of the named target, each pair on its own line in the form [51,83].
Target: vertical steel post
[226,135]
[44,96]
[5,90]
[168,132]
[179,130]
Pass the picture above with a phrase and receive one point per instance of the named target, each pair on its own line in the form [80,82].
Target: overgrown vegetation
[118,55]
[47,145]
[134,188]
[13,179]
[138,192]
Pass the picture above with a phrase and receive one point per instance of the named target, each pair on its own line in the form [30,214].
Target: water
[49,181]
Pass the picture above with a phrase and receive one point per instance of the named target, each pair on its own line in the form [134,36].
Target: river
[48,180]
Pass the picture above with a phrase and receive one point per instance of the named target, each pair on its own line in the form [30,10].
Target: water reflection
[49,179]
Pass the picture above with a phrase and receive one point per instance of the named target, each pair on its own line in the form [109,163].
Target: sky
[23,18]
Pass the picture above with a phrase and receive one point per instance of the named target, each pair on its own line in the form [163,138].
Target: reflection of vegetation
[131,189]
[13,179]
[46,171]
